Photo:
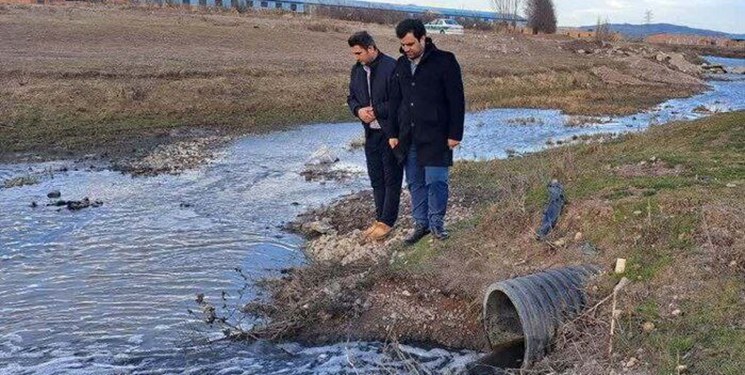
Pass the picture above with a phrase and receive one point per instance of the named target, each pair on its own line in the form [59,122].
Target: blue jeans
[429,192]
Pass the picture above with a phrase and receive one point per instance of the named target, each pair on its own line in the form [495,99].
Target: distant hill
[642,31]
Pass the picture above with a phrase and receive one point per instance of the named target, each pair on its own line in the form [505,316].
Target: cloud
[616,4]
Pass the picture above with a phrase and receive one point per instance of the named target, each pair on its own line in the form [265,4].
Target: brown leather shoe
[369,230]
[381,232]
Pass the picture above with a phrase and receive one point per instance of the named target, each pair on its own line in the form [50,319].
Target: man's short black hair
[411,25]
[362,39]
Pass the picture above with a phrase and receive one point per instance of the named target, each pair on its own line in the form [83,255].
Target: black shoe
[418,234]
[440,234]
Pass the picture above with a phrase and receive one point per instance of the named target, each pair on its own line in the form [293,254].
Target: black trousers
[385,174]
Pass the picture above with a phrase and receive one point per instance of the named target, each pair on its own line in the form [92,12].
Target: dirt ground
[119,81]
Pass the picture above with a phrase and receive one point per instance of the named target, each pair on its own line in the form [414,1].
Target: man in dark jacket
[426,114]
[368,100]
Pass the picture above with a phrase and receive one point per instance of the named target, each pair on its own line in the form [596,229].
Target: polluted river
[107,290]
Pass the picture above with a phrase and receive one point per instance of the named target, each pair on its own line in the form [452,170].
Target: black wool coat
[428,107]
[381,72]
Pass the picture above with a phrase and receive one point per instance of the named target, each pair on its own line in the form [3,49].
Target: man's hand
[452,143]
[393,142]
[366,114]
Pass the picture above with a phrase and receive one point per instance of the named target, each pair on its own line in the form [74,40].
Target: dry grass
[80,79]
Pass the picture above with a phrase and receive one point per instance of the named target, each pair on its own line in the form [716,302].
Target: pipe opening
[505,332]
[521,315]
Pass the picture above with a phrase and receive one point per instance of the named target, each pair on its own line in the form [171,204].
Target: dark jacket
[428,107]
[380,78]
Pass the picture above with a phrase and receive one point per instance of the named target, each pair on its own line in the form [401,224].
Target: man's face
[413,47]
[363,55]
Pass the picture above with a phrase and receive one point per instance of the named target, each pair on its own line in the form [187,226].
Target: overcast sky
[720,15]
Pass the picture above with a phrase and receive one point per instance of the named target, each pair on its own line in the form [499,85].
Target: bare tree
[541,16]
[603,32]
[500,6]
[515,9]
[507,9]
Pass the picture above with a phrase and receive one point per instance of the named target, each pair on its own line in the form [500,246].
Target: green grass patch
[705,337]
[414,258]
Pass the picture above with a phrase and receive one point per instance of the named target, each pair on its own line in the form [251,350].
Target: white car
[444,26]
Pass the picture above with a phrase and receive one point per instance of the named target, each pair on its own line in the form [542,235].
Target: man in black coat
[368,100]
[426,114]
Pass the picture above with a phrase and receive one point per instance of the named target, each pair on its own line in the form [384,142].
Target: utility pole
[648,15]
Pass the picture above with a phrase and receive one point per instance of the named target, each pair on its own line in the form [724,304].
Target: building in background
[346,9]
[353,7]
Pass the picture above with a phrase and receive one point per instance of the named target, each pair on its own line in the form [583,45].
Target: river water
[107,290]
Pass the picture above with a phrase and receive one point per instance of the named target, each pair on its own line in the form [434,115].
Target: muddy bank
[180,154]
[334,232]
[737,53]
[173,153]
[354,290]
[350,291]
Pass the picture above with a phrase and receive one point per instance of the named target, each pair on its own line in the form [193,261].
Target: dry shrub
[360,15]
[581,346]
[138,92]
[576,121]
[318,27]
[582,45]
[356,143]
[509,216]
[478,25]
[722,236]
[324,27]
[308,296]
[225,23]
[656,169]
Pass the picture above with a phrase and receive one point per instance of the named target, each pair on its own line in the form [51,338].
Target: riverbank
[668,200]
[115,83]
